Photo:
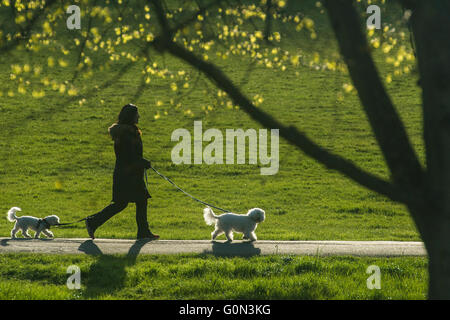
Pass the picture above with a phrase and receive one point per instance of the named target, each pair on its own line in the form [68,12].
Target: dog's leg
[25,233]
[48,233]
[229,235]
[253,236]
[216,233]
[13,232]
[38,233]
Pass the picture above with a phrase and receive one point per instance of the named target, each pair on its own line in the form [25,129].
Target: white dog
[229,222]
[36,224]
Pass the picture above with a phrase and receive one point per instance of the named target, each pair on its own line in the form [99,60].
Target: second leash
[189,195]
[68,223]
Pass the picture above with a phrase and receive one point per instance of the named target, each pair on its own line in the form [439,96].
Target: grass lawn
[25,276]
[57,158]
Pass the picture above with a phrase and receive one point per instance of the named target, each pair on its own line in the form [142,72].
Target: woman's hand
[147,164]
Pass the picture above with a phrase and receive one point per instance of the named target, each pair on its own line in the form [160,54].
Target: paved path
[236,248]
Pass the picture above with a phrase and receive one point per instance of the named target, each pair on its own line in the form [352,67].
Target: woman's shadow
[107,274]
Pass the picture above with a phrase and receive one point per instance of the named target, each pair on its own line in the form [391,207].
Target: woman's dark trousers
[114,208]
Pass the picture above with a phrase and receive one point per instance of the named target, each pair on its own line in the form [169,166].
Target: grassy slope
[55,141]
[57,159]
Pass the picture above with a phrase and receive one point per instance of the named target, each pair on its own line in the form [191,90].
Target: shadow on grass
[107,274]
[231,249]
[4,242]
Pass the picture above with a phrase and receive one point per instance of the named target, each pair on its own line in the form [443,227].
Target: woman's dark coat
[128,179]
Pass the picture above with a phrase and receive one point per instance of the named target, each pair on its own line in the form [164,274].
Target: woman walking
[128,178]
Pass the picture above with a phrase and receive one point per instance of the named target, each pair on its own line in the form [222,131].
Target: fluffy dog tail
[11,215]
[210,217]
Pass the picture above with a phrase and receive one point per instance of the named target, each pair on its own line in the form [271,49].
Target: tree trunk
[429,204]
[432,36]
[438,248]
[435,233]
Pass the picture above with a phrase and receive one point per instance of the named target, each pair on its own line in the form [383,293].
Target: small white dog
[36,224]
[230,222]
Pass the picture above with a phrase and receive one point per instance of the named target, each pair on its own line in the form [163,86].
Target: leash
[65,224]
[189,195]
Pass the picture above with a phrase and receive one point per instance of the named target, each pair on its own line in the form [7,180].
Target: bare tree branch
[291,134]
[268,25]
[26,30]
[83,45]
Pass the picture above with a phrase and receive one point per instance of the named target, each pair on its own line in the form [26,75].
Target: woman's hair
[128,114]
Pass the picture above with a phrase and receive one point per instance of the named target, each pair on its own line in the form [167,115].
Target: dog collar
[46,224]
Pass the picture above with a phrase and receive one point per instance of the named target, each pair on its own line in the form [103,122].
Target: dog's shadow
[107,273]
[4,242]
[233,249]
